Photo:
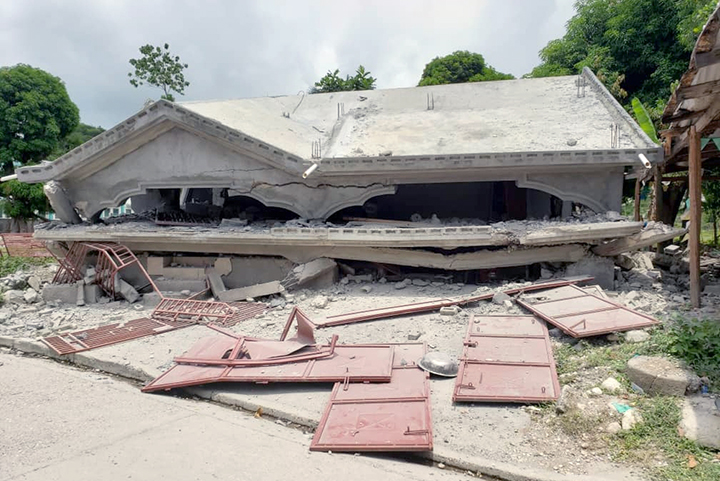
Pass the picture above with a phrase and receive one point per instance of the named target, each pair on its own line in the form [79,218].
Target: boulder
[34,282]
[31,296]
[611,385]
[660,376]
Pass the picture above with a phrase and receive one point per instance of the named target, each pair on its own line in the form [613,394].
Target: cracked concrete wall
[178,159]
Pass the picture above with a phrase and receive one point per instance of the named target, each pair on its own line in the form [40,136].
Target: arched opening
[477,201]
[205,203]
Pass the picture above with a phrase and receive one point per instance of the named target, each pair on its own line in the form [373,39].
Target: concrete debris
[34,283]
[127,291]
[653,233]
[414,336]
[402,284]
[420,282]
[80,293]
[243,293]
[14,296]
[701,421]
[661,376]
[672,250]
[317,274]
[449,310]
[596,391]
[31,296]
[613,428]
[500,298]
[366,289]
[319,302]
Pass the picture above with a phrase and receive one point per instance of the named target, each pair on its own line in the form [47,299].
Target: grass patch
[657,437]
[575,423]
[697,342]
[10,265]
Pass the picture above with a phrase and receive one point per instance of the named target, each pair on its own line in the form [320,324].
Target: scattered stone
[402,284]
[500,297]
[366,289]
[441,465]
[596,391]
[138,307]
[449,310]
[14,296]
[382,281]
[612,337]
[34,282]
[186,293]
[613,428]
[420,282]
[5,316]
[611,385]
[507,304]
[344,281]
[660,376]
[631,296]
[31,296]
[712,289]
[637,336]
[414,336]
[630,419]
[319,302]
[673,250]
[566,402]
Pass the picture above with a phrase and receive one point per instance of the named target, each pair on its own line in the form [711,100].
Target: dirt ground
[516,434]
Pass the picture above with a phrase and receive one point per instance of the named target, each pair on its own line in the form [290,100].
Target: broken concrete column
[61,203]
[217,286]
[317,274]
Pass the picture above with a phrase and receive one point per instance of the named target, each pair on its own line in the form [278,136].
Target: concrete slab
[701,421]
[660,376]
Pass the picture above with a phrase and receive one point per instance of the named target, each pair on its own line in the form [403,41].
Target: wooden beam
[683,178]
[657,199]
[682,115]
[637,200]
[694,195]
[698,90]
[706,59]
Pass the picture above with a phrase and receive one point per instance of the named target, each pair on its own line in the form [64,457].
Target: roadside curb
[440,454]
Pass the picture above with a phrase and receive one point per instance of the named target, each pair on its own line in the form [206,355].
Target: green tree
[459,67]
[159,68]
[36,114]
[711,192]
[333,82]
[81,134]
[635,47]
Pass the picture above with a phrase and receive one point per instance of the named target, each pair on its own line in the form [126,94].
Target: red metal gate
[507,359]
[580,314]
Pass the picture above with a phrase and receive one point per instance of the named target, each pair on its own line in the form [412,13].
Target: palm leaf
[643,118]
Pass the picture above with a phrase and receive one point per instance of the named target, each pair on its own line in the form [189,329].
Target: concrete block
[223,266]
[151,299]
[178,285]
[601,268]
[251,270]
[156,265]
[701,421]
[217,286]
[127,291]
[317,274]
[660,376]
[258,290]
[68,293]
[194,273]
[673,250]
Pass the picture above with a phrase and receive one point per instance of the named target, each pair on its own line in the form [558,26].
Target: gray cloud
[263,47]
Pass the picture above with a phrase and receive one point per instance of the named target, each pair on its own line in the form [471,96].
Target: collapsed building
[460,177]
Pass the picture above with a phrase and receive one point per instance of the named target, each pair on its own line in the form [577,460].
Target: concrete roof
[525,115]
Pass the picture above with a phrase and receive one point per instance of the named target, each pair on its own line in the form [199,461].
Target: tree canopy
[333,82]
[159,68]
[459,67]
[36,115]
[635,47]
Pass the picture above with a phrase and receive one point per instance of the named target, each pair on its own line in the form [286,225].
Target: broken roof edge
[614,106]
[144,120]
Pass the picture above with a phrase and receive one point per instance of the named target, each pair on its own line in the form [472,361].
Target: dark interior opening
[485,201]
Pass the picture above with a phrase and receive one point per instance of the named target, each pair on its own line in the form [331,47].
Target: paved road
[60,423]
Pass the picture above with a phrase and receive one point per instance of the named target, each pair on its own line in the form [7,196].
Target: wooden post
[694,195]
[657,199]
[637,199]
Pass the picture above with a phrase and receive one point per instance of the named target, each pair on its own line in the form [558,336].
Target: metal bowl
[439,363]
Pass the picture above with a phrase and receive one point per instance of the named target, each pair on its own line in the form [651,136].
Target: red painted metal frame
[193,311]
[242,345]
[571,315]
[87,339]
[380,417]
[509,368]
[434,305]
[23,244]
[348,364]
[112,258]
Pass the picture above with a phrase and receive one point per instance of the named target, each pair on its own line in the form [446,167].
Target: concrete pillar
[566,209]
[60,203]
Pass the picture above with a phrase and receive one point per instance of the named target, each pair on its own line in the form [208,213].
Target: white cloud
[264,47]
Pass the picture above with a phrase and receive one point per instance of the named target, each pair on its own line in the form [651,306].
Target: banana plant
[644,120]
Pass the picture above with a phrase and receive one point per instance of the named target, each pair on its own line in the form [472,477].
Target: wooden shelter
[693,119]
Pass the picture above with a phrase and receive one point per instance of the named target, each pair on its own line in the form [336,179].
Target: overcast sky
[250,48]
